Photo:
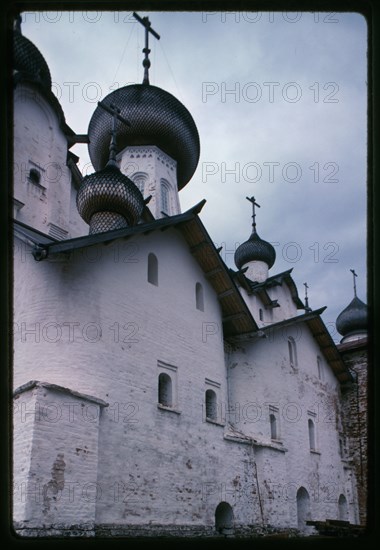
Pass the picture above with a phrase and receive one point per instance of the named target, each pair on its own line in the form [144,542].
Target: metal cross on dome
[307,308]
[148,29]
[354,276]
[115,113]
[254,203]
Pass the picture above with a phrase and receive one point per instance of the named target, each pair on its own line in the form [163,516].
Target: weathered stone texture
[355,421]
[100,328]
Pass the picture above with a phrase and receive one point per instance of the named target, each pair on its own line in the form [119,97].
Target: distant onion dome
[255,249]
[353,319]
[156,118]
[108,200]
[28,62]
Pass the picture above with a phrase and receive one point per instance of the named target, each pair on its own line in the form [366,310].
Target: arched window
[165,194]
[211,404]
[224,517]
[342,508]
[320,368]
[199,301]
[273,426]
[303,508]
[311,427]
[341,450]
[34,176]
[152,269]
[292,351]
[165,394]
[261,317]
[140,179]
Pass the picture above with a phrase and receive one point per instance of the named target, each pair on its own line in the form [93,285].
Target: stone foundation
[153,531]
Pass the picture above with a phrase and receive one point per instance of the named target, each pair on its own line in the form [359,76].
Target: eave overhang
[261,289]
[236,317]
[320,333]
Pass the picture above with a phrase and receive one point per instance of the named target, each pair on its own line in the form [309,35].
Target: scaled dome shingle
[255,249]
[353,318]
[29,61]
[156,118]
[110,190]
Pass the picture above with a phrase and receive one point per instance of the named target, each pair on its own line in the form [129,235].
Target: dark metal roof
[28,60]
[255,249]
[320,334]
[236,316]
[328,347]
[156,118]
[353,319]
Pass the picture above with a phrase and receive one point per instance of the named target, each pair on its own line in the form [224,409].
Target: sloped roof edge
[236,317]
[321,335]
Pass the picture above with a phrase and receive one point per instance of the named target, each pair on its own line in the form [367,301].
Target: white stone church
[157,391]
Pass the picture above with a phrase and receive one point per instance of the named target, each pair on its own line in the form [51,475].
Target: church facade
[157,391]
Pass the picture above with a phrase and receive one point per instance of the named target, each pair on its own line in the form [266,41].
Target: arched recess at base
[342,508]
[303,508]
[224,518]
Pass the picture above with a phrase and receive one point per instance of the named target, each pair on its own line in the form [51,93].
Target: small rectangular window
[274,422]
[165,391]
[312,431]
[320,369]
[152,269]
[199,298]
[292,352]
[165,206]
[167,385]
[212,406]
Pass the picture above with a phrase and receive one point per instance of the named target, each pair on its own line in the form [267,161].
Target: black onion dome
[156,118]
[353,318]
[110,190]
[29,61]
[255,249]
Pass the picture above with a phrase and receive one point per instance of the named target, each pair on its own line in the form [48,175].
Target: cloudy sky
[280,103]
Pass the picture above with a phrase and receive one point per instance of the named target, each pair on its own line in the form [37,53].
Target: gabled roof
[236,316]
[360,343]
[321,335]
[328,347]
[261,289]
